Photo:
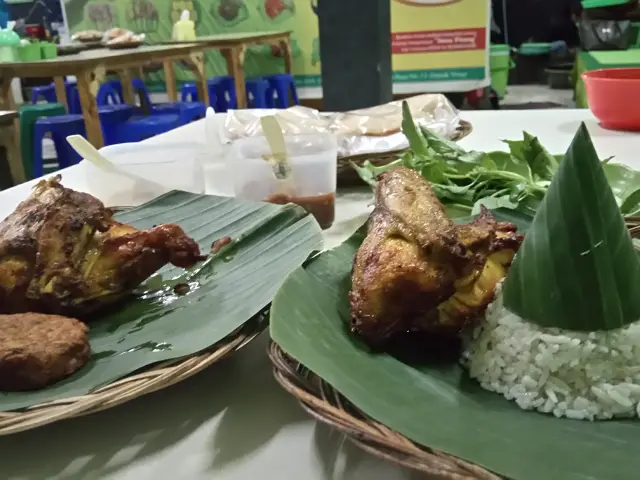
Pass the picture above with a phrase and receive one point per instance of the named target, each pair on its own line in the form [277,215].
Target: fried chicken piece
[416,269]
[62,252]
[493,245]
[408,262]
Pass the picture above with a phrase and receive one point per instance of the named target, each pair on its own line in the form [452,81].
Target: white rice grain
[577,375]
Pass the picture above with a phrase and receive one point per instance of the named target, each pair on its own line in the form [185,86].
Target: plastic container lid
[500,49]
[603,3]
[534,48]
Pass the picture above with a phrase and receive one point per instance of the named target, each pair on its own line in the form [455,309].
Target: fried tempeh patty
[37,350]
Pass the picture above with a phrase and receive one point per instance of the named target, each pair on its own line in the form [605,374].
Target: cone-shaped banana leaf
[438,405]
[577,268]
[225,291]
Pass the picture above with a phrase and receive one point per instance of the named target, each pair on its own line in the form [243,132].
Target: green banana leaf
[226,290]
[438,405]
[579,248]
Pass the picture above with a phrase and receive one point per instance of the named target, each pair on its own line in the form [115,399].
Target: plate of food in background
[98,307]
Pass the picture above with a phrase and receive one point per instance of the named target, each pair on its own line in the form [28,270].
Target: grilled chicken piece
[493,245]
[62,252]
[416,269]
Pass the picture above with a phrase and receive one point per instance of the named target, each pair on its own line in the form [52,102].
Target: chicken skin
[62,252]
[416,269]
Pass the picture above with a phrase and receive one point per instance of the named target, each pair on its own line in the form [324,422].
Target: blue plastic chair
[188,111]
[60,128]
[114,87]
[257,89]
[73,99]
[44,92]
[222,93]
[225,92]
[189,93]
[111,117]
[282,85]
[108,95]
[138,128]
[48,93]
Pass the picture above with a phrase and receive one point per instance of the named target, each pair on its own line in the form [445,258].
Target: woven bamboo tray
[133,386]
[347,176]
[327,405]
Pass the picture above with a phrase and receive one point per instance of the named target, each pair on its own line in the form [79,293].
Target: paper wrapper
[371,130]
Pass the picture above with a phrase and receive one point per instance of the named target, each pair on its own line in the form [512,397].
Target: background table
[9,140]
[90,67]
[233,47]
[232,421]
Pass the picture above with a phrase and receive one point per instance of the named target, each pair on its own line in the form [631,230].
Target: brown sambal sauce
[322,207]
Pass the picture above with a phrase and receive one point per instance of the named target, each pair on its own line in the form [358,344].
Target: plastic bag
[366,131]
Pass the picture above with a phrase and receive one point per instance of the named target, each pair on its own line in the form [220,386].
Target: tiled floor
[521,94]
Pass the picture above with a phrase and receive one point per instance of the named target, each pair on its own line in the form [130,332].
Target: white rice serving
[569,374]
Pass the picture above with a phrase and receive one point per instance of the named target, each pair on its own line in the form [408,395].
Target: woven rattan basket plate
[347,176]
[133,386]
[327,405]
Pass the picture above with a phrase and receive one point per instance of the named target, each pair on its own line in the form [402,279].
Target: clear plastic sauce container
[312,159]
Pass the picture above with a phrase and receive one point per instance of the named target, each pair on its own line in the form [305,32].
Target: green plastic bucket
[501,63]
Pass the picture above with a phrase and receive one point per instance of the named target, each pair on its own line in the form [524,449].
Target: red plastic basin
[614,97]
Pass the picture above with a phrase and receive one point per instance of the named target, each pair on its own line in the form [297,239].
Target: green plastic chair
[29,114]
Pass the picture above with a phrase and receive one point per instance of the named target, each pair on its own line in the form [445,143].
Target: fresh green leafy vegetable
[577,267]
[518,179]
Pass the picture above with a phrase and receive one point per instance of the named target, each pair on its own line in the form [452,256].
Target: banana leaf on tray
[157,324]
[438,405]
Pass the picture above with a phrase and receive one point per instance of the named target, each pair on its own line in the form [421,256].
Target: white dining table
[233,421]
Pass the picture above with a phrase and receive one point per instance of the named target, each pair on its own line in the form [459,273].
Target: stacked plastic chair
[119,124]
[282,87]
[188,111]
[189,93]
[257,93]
[222,93]
[44,92]
[59,127]
[29,115]
[280,92]
[48,94]
[225,91]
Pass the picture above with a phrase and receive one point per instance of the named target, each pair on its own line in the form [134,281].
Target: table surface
[7,116]
[232,421]
[229,38]
[98,55]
